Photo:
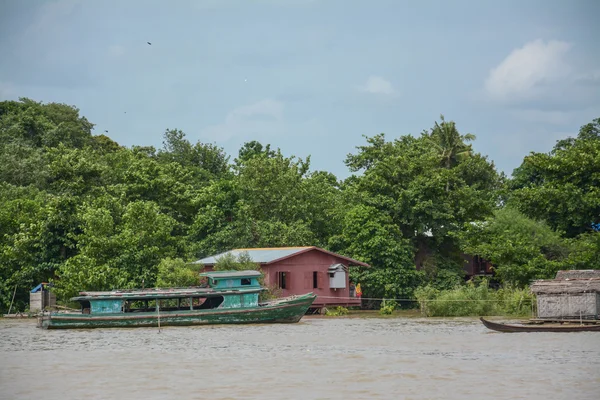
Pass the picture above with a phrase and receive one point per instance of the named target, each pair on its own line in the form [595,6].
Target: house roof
[270,255]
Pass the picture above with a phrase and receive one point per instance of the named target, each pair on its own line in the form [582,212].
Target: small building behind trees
[41,297]
[572,294]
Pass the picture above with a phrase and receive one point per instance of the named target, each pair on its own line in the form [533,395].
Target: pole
[158,312]
[13,299]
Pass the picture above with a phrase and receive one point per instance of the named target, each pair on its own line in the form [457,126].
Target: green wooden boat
[230,297]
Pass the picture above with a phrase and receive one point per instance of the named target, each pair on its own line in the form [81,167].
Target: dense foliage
[84,212]
[475,300]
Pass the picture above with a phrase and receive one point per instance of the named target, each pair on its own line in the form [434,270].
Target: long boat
[230,297]
[569,327]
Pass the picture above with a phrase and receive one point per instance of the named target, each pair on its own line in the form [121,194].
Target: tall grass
[474,300]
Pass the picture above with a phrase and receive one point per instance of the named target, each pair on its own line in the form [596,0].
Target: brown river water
[318,358]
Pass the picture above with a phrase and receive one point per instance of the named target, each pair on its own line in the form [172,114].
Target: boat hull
[280,311]
[539,328]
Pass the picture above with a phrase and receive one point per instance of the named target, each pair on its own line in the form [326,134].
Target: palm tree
[451,144]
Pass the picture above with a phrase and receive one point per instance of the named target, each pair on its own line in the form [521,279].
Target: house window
[282,280]
[315,279]
[245,281]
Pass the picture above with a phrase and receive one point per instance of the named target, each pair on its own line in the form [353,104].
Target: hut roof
[578,274]
[566,286]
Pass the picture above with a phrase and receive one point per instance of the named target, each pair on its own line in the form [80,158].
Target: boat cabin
[223,289]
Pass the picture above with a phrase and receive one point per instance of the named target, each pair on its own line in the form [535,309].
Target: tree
[450,143]
[371,236]
[43,124]
[562,187]
[427,192]
[205,160]
[176,273]
[253,149]
[521,249]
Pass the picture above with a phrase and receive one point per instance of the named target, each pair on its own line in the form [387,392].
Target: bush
[336,312]
[387,307]
[474,300]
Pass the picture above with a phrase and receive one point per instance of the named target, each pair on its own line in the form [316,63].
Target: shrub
[474,300]
[387,307]
[336,312]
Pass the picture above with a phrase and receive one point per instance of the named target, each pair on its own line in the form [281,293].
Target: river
[318,358]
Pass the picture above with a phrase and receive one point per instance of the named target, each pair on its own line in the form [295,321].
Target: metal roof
[260,256]
[271,254]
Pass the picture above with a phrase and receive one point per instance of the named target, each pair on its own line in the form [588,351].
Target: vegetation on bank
[475,300]
[85,213]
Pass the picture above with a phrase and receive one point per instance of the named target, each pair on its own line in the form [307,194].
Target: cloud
[529,71]
[262,118]
[591,77]
[377,85]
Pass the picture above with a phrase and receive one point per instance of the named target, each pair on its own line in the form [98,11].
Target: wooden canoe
[540,328]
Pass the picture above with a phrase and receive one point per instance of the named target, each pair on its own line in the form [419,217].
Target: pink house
[299,270]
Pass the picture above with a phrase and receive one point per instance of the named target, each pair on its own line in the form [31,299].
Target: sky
[311,77]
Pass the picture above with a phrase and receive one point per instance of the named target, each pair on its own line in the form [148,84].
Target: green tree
[176,273]
[521,249]
[562,187]
[450,144]
[427,191]
[371,236]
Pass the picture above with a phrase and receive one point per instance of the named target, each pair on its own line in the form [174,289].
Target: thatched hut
[572,294]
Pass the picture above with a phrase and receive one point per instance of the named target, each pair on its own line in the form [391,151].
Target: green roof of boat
[231,274]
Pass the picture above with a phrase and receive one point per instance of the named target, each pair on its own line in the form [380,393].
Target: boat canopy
[231,274]
[144,294]
[219,283]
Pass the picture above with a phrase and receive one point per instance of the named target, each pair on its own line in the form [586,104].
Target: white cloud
[377,85]
[591,77]
[262,118]
[526,71]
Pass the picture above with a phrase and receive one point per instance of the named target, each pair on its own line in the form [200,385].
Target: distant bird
[105,131]
[149,43]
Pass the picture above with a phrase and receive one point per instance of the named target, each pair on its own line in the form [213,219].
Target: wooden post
[158,312]
[13,299]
